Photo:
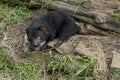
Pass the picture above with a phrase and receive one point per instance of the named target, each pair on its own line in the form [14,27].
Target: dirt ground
[14,38]
[14,41]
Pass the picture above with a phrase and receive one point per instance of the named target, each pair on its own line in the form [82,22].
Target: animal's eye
[37,35]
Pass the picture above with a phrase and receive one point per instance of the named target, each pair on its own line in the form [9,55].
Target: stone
[100,18]
[115,60]
[65,48]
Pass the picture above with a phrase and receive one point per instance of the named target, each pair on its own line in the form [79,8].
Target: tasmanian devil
[53,25]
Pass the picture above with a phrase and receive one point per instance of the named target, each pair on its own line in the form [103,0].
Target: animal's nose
[35,45]
[36,42]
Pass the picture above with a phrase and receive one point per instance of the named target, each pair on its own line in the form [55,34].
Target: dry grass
[13,41]
[101,72]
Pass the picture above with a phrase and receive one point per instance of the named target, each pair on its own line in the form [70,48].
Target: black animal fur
[53,25]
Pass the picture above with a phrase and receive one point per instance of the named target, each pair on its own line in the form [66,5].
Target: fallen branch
[101,20]
[94,17]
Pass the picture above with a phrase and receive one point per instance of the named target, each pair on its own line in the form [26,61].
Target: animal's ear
[42,27]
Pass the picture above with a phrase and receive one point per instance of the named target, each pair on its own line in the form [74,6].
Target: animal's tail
[91,32]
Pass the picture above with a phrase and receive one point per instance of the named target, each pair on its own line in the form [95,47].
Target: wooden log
[97,19]
[101,21]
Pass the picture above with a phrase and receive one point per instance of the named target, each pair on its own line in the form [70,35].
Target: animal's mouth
[35,44]
[38,47]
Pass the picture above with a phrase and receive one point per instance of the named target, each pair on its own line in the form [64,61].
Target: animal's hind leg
[65,33]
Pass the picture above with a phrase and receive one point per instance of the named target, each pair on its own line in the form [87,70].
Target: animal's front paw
[56,45]
[43,47]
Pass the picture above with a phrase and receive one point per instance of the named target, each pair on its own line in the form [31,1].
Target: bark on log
[100,20]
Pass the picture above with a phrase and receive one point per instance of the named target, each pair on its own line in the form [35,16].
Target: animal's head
[36,35]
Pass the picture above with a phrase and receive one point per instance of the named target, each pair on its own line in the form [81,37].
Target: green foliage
[61,68]
[9,69]
[26,71]
[2,29]
[5,64]
[4,59]
[115,74]
[75,67]
[59,65]
[46,5]
[116,16]
[88,65]
[14,15]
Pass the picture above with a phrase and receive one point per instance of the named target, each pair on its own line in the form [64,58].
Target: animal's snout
[35,45]
[36,42]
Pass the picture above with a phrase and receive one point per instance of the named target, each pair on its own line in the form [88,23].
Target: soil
[14,40]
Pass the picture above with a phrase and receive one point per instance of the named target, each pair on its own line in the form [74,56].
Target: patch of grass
[115,74]
[46,5]
[44,67]
[25,72]
[60,65]
[13,15]
[116,16]
[5,64]
[2,30]
[21,72]
[72,67]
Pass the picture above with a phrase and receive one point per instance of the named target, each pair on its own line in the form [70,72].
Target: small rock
[116,60]
[57,57]
[66,48]
[1,78]
[87,5]
[100,18]
[113,6]
[27,50]
[116,11]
